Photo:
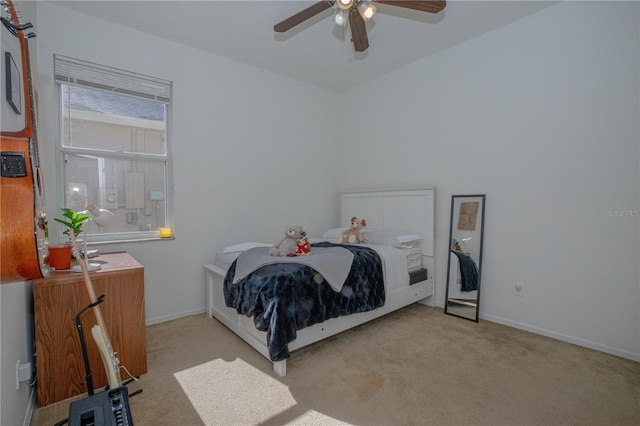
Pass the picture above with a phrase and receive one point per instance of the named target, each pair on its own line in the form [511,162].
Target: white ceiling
[316,52]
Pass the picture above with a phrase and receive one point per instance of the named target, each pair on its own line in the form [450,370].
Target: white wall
[252,150]
[244,140]
[16,344]
[542,116]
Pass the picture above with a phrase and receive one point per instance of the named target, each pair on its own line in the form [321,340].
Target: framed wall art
[468,215]
[13,83]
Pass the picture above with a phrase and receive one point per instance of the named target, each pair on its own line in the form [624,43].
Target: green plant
[74,228]
[75,223]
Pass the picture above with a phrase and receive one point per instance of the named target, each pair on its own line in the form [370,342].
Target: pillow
[334,233]
[390,238]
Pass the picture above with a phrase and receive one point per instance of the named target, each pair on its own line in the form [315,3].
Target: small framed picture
[13,85]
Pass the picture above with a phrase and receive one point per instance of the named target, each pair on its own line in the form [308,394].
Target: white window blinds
[82,73]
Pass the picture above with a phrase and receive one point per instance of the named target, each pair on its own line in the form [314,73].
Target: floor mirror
[466,232]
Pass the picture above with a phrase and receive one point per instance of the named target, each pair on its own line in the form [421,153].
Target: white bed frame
[405,209]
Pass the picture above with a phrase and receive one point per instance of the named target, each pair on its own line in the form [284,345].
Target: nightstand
[58,299]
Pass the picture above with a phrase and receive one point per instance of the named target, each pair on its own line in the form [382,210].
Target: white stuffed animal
[288,246]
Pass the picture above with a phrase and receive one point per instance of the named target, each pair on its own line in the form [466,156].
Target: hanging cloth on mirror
[468,271]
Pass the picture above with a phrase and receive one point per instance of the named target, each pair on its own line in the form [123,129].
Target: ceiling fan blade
[431,6]
[358,31]
[302,16]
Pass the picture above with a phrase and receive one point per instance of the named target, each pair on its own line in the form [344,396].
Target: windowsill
[136,240]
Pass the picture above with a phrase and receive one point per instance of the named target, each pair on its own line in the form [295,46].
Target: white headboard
[409,210]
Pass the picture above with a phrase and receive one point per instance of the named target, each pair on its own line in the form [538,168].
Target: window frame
[165,159]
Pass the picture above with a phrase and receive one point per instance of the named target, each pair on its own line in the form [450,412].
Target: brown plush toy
[304,248]
[353,234]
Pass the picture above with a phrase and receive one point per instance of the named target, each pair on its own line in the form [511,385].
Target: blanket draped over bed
[333,263]
[286,297]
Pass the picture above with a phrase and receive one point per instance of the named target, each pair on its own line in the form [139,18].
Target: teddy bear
[353,235]
[289,244]
[304,248]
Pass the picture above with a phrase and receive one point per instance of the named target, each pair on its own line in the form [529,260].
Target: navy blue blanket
[468,271]
[286,297]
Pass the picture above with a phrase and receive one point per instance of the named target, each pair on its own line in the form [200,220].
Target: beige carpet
[416,366]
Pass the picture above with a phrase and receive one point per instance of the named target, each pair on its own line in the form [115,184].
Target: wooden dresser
[58,299]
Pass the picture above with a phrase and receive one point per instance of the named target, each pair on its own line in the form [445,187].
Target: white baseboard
[558,336]
[563,337]
[165,318]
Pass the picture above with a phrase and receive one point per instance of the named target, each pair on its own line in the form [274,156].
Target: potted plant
[111,363]
[74,224]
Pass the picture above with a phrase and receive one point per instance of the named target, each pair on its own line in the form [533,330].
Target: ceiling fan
[356,12]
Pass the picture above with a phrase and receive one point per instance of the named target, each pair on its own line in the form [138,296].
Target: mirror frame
[447,303]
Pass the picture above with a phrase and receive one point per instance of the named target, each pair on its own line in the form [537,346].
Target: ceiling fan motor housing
[344,4]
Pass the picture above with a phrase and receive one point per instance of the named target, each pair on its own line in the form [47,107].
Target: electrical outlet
[24,372]
[518,289]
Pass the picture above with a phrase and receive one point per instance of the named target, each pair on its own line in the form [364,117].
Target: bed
[391,214]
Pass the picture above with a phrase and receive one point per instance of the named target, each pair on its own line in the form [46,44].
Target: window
[114,147]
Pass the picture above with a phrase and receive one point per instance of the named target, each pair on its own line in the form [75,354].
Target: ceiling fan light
[341,18]
[367,10]
[345,4]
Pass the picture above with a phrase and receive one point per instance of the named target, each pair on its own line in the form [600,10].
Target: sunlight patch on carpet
[233,392]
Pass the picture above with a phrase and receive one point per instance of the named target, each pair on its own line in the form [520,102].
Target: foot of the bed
[280,368]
